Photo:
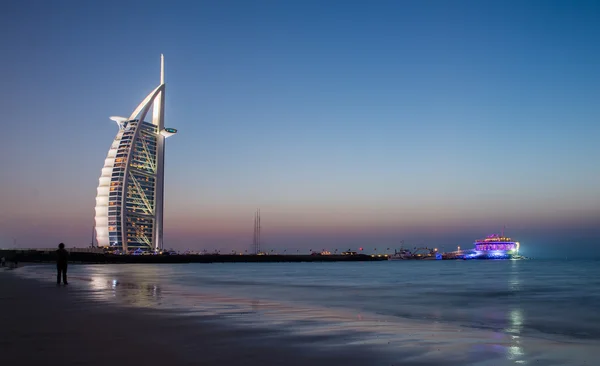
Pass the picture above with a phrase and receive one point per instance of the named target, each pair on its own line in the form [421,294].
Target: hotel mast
[129,202]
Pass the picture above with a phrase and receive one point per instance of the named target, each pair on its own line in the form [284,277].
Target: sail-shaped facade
[129,200]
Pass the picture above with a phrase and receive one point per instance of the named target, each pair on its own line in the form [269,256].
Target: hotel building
[129,200]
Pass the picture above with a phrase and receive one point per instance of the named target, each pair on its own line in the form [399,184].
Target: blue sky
[346,122]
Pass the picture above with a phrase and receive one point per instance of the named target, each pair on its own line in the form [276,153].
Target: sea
[495,312]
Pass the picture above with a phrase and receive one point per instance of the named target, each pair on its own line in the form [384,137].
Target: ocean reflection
[515,318]
[469,311]
[507,311]
[515,322]
[514,280]
[515,350]
[145,294]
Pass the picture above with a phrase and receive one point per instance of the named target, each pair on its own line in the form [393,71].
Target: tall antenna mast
[259,230]
[93,232]
[255,233]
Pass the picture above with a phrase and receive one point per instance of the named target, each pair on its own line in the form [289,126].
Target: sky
[348,123]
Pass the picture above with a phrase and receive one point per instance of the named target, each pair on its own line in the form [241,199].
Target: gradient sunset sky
[348,123]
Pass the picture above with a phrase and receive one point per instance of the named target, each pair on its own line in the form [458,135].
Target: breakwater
[82,257]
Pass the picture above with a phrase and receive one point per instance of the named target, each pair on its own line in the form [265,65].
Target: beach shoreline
[195,315]
[44,323]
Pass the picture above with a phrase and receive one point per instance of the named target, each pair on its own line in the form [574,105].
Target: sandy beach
[248,314]
[49,324]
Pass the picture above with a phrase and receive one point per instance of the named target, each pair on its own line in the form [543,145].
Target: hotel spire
[162,68]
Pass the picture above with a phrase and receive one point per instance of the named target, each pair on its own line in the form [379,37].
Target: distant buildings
[129,202]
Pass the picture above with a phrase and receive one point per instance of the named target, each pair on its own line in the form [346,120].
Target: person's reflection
[255,305]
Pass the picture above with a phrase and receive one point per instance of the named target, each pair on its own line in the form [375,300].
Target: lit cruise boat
[494,246]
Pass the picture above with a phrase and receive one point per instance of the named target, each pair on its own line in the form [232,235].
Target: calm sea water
[458,312]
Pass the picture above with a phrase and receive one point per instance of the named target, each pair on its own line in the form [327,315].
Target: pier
[94,256]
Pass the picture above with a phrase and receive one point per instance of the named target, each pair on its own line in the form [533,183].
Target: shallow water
[455,312]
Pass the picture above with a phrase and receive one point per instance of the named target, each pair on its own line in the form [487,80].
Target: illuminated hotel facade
[129,200]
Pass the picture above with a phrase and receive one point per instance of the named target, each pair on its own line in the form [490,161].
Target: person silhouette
[62,259]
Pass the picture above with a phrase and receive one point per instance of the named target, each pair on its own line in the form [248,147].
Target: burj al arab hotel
[129,202]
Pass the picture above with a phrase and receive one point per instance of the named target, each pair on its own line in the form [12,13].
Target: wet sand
[122,315]
[50,324]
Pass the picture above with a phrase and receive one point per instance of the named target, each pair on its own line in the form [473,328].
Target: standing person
[62,259]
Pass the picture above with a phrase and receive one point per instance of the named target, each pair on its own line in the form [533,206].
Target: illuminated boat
[494,246]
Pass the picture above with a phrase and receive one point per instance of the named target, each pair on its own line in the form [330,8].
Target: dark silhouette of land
[82,257]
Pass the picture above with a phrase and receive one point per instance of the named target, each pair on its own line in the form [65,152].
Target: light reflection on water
[515,317]
[483,316]
[133,292]
[515,352]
